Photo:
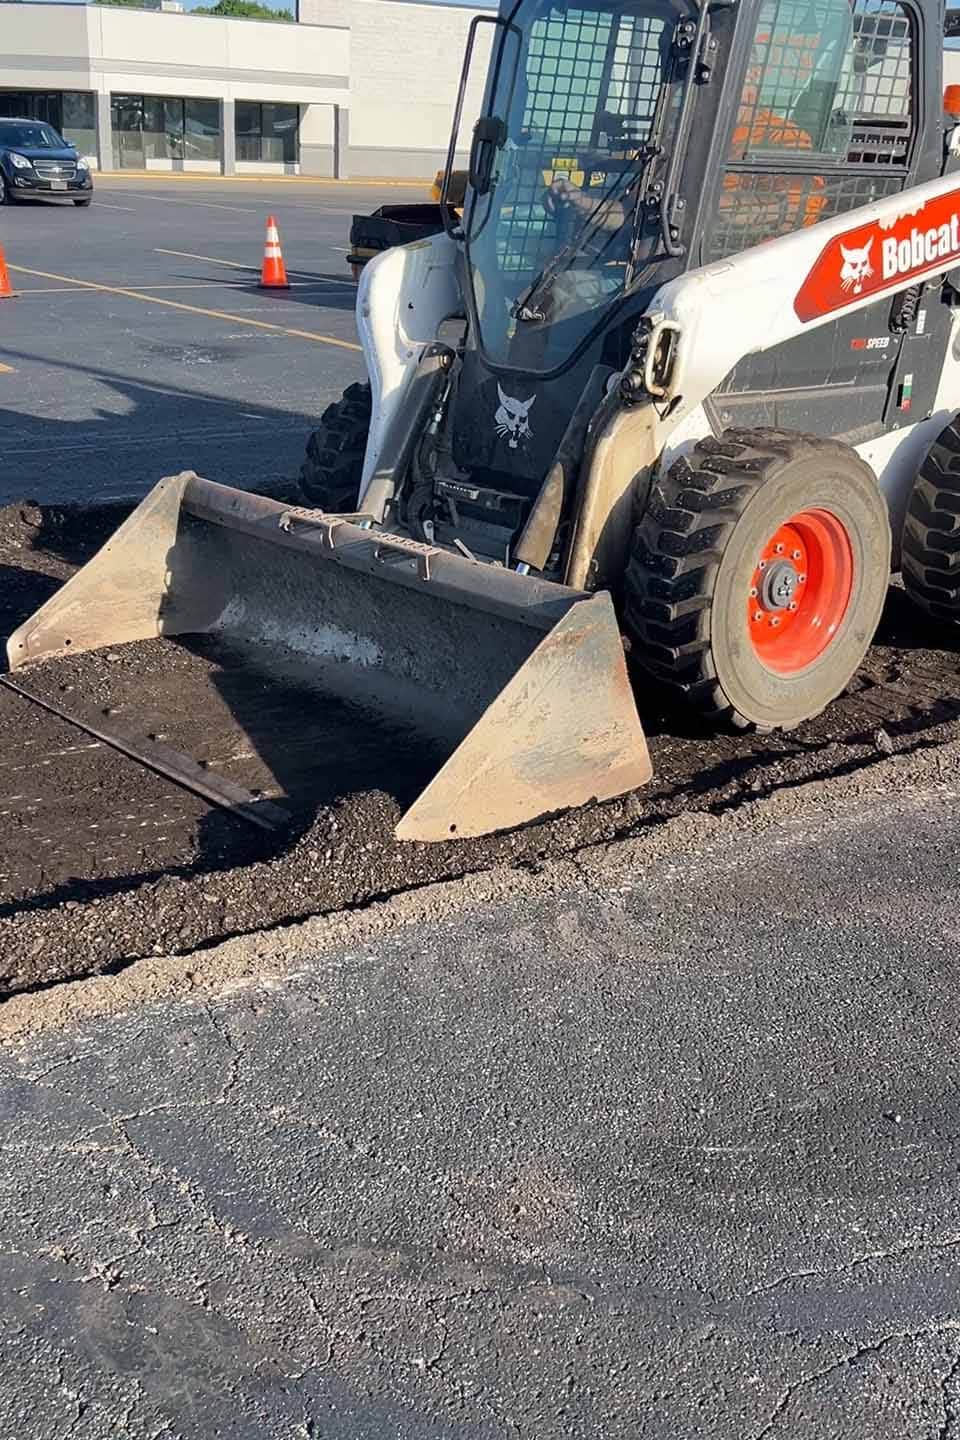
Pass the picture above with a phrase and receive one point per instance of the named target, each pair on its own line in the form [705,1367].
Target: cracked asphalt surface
[657,1143]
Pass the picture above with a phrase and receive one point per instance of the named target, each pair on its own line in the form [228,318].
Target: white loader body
[718,314]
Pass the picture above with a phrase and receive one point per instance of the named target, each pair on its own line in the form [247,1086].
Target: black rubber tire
[930,547]
[6,194]
[331,472]
[693,554]
[85,200]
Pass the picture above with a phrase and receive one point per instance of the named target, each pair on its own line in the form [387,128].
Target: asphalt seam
[842,1362]
[56,1004]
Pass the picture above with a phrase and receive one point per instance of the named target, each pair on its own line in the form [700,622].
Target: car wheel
[83,200]
[6,195]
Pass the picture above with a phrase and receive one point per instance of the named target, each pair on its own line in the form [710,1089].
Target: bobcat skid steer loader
[682,378]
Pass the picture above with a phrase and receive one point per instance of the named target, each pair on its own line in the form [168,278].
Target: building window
[71,112]
[79,121]
[162,127]
[267,133]
[201,130]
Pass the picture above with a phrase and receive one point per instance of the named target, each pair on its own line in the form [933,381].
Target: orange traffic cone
[6,292]
[273,276]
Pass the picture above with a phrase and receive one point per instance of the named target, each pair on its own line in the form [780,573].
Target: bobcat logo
[512,419]
[856,267]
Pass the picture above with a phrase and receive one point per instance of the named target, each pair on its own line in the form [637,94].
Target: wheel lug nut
[763,565]
[753,592]
[779,549]
[775,620]
[795,555]
[800,579]
[792,605]
[758,614]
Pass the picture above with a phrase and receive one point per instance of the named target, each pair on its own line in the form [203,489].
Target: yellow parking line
[192,309]
[235,264]
[184,285]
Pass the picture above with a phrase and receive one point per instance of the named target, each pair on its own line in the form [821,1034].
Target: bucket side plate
[562,732]
[121,594]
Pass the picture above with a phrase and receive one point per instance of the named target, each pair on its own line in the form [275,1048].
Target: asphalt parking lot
[139,343]
[639,1122]
[656,1144]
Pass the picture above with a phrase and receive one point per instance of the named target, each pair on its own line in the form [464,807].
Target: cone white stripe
[271,252]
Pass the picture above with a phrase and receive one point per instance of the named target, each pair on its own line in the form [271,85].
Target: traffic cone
[6,291]
[273,276]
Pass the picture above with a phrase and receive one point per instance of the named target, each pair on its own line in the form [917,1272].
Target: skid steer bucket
[516,686]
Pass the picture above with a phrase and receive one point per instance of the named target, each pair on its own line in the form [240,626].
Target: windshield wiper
[522,308]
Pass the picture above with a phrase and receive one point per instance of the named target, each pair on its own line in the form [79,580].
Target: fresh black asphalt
[671,1152]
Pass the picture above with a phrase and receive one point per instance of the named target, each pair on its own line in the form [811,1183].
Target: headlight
[82,164]
[20,162]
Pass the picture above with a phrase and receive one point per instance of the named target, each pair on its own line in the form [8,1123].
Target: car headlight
[82,164]
[20,162]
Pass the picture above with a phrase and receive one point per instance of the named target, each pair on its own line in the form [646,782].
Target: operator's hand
[560,195]
[564,200]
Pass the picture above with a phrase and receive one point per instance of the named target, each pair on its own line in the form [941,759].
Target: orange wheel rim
[799,591]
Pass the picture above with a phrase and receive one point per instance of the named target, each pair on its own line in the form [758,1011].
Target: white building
[405,63]
[355,88]
[335,94]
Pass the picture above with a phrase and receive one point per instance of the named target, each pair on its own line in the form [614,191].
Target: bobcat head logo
[512,418]
[856,267]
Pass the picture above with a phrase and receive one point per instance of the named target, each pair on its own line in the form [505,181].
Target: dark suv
[35,160]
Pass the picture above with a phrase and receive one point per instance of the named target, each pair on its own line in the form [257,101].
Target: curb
[194,177]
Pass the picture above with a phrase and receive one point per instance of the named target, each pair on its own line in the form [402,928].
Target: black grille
[755,207]
[845,88]
[878,147]
[825,121]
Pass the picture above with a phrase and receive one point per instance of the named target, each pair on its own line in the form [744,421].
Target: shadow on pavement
[153,428]
[338,292]
[39,545]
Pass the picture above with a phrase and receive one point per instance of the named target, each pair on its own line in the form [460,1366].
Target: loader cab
[561,219]
[624,141]
[571,219]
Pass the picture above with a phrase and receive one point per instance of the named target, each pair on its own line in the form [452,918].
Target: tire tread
[677,548]
[930,545]
[333,466]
